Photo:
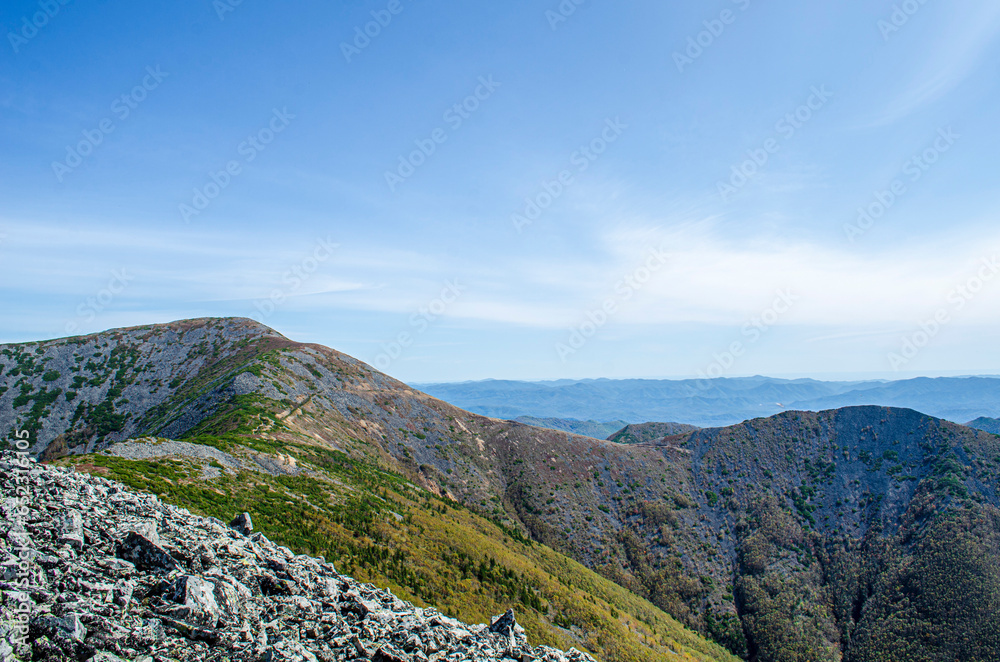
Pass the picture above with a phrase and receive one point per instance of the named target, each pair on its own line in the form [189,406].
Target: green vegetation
[378,527]
[39,409]
[800,537]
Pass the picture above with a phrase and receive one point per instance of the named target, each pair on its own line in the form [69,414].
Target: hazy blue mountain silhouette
[716,402]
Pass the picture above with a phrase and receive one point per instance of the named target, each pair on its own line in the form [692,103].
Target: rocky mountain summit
[92,571]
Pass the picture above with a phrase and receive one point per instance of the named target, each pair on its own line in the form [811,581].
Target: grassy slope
[380,528]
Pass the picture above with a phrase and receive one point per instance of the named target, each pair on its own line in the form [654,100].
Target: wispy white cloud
[708,278]
[962,45]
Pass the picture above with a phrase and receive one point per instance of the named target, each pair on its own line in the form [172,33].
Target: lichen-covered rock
[243,524]
[145,555]
[122,576]
[196,598]
[288,651]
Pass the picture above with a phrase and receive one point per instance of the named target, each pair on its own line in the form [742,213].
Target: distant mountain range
[716,402]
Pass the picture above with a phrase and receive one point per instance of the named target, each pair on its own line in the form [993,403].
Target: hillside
[804,536]
[986,424]
[596,429]
[716,402]
[641,433]
[329,457]
[147,579]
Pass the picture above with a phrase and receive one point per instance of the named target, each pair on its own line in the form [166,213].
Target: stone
[71,529]
[144,554]
[387,653]
[232,598]
[105,657]
[69,627]
[122,593]
[197,599]
[243,524]
[504,625]
[151,632]
[217,595]
[145,527]
[288,651]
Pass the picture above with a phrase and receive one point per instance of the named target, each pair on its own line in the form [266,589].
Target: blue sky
[514,190]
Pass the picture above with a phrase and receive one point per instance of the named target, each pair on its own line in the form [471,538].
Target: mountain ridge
[986,424]
[738,532]
[304,421]
[595,429]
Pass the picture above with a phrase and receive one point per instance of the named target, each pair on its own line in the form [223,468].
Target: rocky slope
[92,571]
[788,538]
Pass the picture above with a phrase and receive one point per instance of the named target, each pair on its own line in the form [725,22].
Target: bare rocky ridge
[105,574]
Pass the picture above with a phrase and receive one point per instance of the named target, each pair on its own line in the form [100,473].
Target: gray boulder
[197,599]
[243,524]
[145,555]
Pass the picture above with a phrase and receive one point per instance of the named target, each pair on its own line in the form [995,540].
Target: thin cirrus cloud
[955,54]
[704,279]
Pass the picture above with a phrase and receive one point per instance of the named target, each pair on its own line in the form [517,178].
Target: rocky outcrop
[92,571]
